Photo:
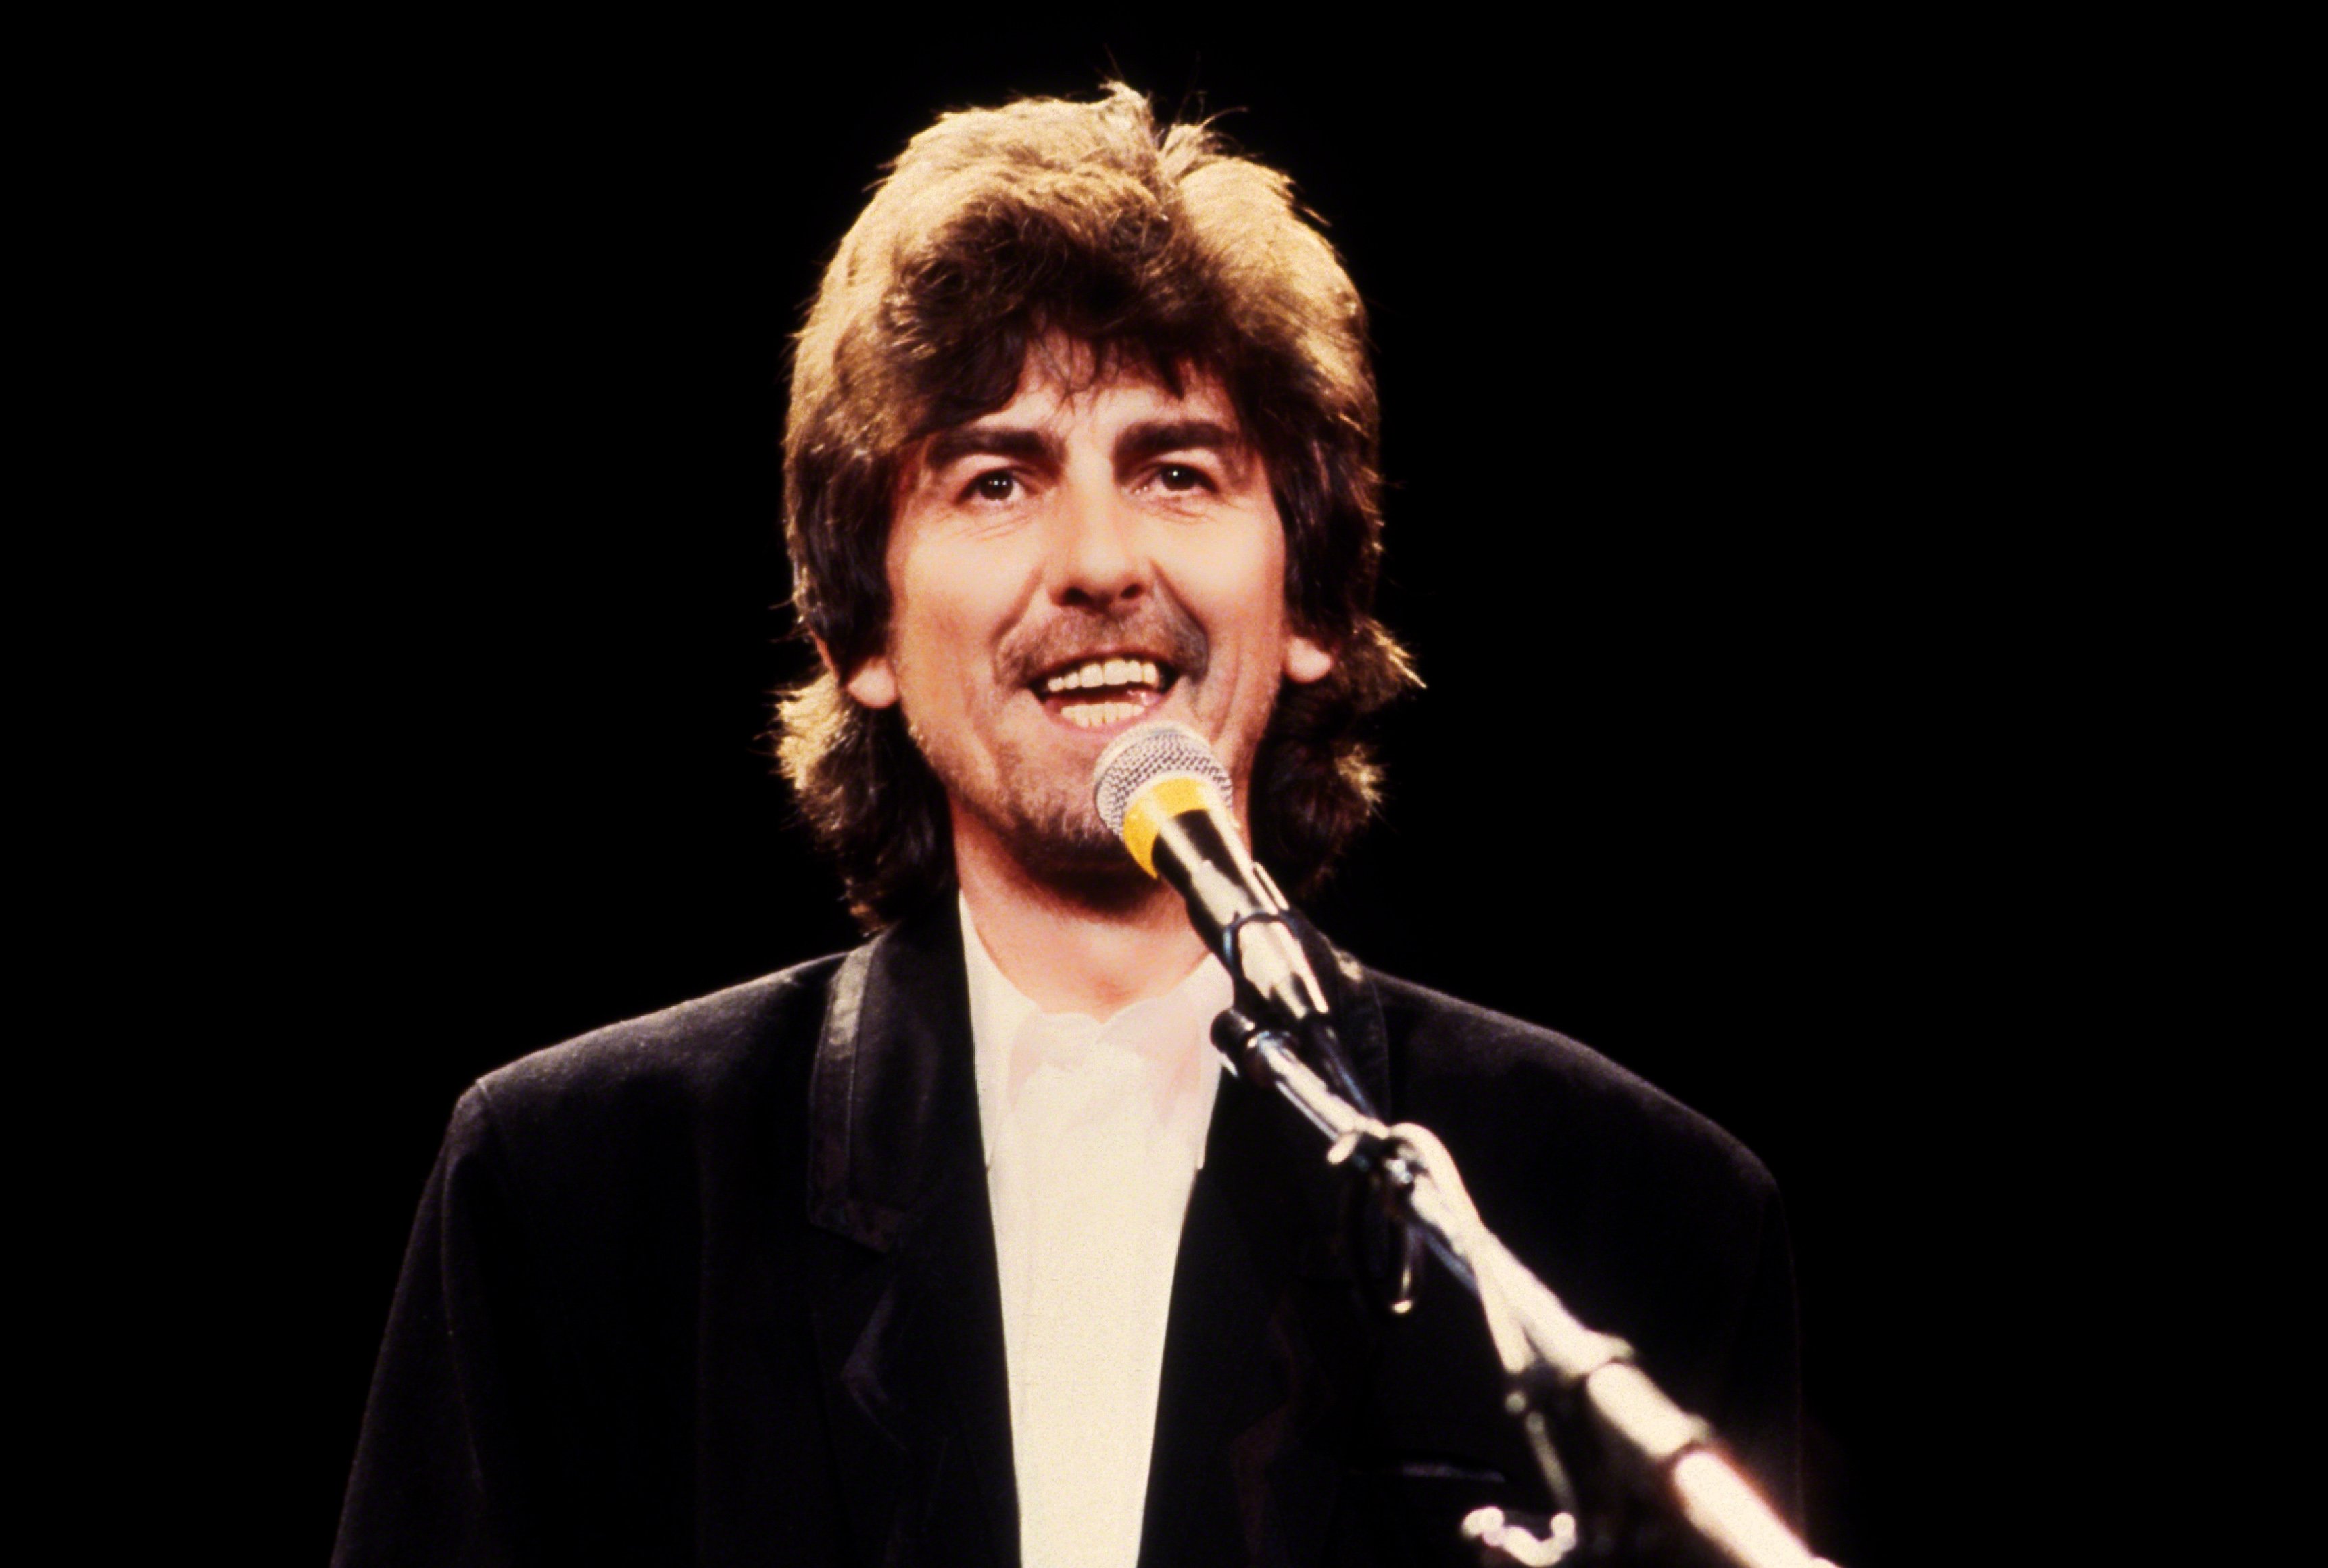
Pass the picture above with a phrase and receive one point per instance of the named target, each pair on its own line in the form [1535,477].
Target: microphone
[1161,789]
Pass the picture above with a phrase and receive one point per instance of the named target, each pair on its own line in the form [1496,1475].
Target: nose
[1096,560]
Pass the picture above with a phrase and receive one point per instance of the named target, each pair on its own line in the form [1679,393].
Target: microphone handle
[1190,852]
[1233,910]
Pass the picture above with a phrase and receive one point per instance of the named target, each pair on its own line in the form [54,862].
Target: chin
[1047,823]
[1073,850]
[1075,842]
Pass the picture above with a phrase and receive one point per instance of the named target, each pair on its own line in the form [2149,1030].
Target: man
[965,1247]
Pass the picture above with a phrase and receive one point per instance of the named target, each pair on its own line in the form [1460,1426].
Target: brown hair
[995,230]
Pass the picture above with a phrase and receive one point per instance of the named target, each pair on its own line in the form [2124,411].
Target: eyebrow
[1150,437]
[1134,444]
[1013,441]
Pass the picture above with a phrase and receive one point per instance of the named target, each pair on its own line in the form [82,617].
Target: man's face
[1067,567]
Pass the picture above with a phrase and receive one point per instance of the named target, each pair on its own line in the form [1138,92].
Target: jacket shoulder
[681,1065]
[1451,1057]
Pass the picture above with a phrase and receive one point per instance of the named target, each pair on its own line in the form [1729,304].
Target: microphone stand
[1554,1364]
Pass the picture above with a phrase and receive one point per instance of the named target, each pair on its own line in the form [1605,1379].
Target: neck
[1091,943]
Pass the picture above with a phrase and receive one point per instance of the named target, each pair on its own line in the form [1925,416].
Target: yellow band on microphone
[1155,804]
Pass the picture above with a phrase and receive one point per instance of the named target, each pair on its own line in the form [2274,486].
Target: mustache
[1155,625]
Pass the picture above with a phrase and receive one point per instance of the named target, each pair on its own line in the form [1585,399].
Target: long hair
[996,230]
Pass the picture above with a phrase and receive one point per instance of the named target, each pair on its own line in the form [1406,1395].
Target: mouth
[1104,691]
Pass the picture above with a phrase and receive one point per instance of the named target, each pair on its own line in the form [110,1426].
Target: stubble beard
[1050,823]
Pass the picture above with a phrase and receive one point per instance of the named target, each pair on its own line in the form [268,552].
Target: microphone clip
[1233,956]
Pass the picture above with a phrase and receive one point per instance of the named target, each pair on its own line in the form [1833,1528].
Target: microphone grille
[1138,757]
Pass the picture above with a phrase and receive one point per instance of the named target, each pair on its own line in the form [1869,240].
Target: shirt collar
[1173,1030]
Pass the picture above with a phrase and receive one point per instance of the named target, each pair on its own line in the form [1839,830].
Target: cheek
[1237,580]
[947,606]
[918,577]
[1263,588]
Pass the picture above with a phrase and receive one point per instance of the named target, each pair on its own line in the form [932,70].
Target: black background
[1704,360]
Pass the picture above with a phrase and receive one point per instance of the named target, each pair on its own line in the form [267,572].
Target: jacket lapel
[908,1319]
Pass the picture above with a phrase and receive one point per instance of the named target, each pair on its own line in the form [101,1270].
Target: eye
[1181,476]
[996,485]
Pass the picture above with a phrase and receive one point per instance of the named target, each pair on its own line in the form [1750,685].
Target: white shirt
[1094,1132]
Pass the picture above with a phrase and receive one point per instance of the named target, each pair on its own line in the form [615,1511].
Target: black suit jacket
[717,1286]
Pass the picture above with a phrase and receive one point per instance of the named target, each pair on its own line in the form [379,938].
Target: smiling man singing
[965,1247]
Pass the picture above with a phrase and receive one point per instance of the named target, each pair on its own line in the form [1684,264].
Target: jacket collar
[1265,1355]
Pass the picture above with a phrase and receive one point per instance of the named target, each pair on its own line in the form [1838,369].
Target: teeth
[1098,715]
[1107,672]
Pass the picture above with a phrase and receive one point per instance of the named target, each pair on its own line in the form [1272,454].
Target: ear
[874,684]
[1307,660]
